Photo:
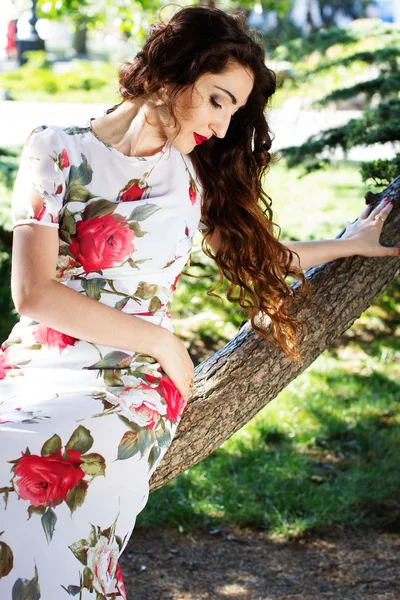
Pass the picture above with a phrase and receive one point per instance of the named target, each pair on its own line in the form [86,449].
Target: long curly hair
[199,40]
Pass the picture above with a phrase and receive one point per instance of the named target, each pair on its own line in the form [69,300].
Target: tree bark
[242,377]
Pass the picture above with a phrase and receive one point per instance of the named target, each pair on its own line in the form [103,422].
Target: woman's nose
[220,127]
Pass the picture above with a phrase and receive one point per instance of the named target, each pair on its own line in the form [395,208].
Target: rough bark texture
[242,377]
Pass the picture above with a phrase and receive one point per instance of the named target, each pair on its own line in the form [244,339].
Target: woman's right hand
[175,361]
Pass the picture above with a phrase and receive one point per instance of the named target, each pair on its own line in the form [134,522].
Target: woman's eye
[214,102]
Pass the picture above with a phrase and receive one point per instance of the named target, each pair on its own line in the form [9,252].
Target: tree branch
[236,382]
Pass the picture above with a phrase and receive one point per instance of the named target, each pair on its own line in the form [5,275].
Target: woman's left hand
[365,232]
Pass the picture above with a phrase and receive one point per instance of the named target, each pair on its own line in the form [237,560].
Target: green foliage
[81,81]
[366,56]
[378,125]
[381,171]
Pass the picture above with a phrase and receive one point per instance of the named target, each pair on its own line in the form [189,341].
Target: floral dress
[83,426]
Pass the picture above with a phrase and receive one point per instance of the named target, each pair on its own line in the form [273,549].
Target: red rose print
[44,479]
[59,188]
[4,365]
[63,160]
[40,213]
[101,242]
[175,403]
[52,338]
[173,287]
[119,578]
[192,194]
[186,230]
[134,192]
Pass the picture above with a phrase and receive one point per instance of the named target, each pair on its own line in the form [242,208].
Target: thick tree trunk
[242,377]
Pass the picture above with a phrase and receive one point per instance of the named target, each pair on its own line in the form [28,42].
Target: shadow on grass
[342,472]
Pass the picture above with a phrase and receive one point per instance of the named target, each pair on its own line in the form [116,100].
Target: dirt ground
[240,564]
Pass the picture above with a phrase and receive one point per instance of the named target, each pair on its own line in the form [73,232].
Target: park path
[290,126]
[235,564]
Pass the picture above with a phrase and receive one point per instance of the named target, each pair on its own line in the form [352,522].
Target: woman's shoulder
[45,138]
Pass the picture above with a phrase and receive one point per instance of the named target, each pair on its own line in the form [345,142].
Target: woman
[93,380]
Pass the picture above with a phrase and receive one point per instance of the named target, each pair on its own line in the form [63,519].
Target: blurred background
[325,452]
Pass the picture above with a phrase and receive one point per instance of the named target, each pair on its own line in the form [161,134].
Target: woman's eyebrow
[232,97]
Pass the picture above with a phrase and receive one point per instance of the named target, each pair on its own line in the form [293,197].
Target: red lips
[199,138]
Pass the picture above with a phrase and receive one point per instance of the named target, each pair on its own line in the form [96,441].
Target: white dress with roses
[83,426]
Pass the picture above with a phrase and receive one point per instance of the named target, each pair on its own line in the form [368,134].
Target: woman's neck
[127,130]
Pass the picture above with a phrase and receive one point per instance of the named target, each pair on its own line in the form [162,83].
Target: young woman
[93,381]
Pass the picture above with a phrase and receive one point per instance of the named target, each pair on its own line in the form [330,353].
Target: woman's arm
[37,294]
[360,237]
[318,252]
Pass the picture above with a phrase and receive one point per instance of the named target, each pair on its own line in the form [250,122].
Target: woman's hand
[175,361]
[365,232]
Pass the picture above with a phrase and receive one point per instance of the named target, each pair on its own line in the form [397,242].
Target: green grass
[324,453]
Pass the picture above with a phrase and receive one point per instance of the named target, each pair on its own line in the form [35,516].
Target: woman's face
[207,108]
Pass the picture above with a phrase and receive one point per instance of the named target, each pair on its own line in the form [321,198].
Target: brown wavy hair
[199,40]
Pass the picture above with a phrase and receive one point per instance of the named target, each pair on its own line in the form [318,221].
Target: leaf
[155,304]
[146,291]
[81,175]
[36,510]
[63,251]
[99,208]
[78,549]
[131,424]
[76,496]
[129,445]
[163,438]
[153,456]
[88,579]
[80,440]
[94,287]
[145,358]
[74,130]
[122,303]
[114,359]
[112,378]
[146,438]
[78,193]
[140,213]
[67,225]
[6,559]
[134,225]
[72,590]
[93,464]
[27,589]
[49,520]
[51,446]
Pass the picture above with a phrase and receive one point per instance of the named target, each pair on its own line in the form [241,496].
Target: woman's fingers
[377,210]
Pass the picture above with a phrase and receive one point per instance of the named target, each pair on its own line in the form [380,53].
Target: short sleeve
[43,169]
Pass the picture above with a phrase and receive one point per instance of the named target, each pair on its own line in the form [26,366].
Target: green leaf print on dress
[54,477]
[148,406]
[6,558]
[27,588]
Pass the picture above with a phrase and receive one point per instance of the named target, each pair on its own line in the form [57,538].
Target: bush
[37,80]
